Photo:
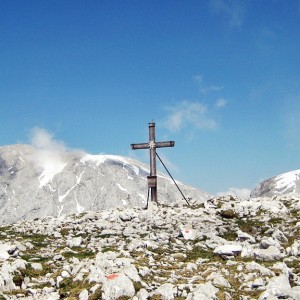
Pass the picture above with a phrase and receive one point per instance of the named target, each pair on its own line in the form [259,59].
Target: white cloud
[242,193]
[220,103]
[232,9]
[206,89]
[191,114]
[50,156]
[44,140]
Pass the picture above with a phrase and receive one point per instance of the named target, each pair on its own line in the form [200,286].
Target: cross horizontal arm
[155,145]
[140,146]
[164,144]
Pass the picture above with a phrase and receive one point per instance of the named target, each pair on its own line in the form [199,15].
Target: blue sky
[220,77]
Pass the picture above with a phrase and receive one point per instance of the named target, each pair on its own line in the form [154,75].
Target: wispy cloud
[206,89]
[232,9]
[42,139]
[220,103]
[50,155]
[292,121]
[195,115]
[191,114]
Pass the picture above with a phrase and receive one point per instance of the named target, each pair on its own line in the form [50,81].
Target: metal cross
[152,145]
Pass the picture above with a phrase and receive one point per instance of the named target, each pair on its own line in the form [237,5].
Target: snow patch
[135,169]
[59,210]
[287,180]
[121,188]
[79,208]
[101,158]
[61,198]
[50,188]
[50,170]
[79,177]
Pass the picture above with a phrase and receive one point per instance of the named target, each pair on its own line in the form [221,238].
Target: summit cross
[152,145]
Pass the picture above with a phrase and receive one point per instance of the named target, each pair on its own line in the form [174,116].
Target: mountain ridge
[41,182]
[282,184]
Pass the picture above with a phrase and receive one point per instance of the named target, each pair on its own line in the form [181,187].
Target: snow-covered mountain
[40,182]
[278,185]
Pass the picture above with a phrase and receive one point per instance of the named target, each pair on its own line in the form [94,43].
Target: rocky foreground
[224,248]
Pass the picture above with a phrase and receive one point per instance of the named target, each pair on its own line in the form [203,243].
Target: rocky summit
[282,184]
[223,248]
[37,182]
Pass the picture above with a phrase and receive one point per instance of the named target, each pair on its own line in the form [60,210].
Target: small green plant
[229,235]
[276,221]
[64,231]
[228,214]
[18,279]
[107,249]
[137,286]
[250,226]
[31,272]
[97,295]
[79,254]
[71,289]
[199,252]
[156,297]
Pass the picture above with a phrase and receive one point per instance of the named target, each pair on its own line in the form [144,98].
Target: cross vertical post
[152,145]
[152,163]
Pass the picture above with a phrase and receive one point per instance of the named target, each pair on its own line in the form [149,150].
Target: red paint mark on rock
[112,276]
[187,231]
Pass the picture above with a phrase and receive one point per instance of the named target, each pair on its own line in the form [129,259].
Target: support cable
[173,180]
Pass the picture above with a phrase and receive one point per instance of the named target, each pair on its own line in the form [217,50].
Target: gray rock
[188,233]
[37,266]
[243,236]
[269,254]
[142,294]
[116,286]
[218,280]
[279,287]
[254,266]
[4,254]
[84,295]
[228,249]
[95,274]
[294,249]
[132,273]
[166,291]
[267,242]
[257,283]
[204,292]
[74,242]
[65,274]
